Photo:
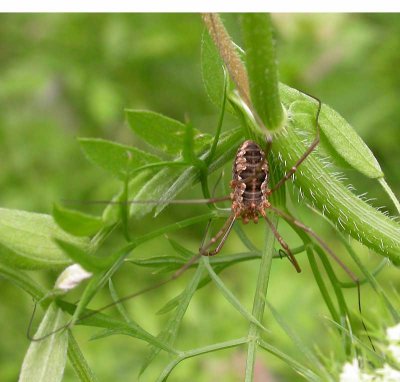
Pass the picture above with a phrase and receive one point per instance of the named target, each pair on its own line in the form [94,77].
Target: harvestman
[249,197]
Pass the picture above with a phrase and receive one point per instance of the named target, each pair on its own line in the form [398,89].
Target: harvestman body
[249,196]
[249,183]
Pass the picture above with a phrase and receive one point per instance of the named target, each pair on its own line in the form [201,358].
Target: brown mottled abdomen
[249,182]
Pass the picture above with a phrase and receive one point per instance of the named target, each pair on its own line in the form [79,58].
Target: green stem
[192,353]
[259,300]
[262,68]
[321,285]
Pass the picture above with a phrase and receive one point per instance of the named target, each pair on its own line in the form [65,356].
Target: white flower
[393,333]
[393,336]
[395,350]
[351,373]
[388,374]
[71,277]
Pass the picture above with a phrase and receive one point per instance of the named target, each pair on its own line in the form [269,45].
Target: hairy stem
[262,68]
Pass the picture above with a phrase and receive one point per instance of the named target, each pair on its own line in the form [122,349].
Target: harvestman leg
[353,277]
[224,232]
[286,177]
[284,245]
[307,229]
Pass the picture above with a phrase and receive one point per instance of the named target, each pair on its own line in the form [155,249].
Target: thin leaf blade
[78,361]
[340,134]
[45,360]
[76,223]
[163,133]
[115,158]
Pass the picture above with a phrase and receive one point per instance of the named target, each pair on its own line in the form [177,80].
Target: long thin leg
[332,254]
[224,232]
[174,276]
[310,149]
[150,201]
[284,245]
[316,237]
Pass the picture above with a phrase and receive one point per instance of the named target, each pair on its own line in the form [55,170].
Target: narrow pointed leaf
[168,182]
[76,223]
[170,305]
[45,359]
[117,303]
[163,133]
[295,365]
[78,361]
[169,333]
[115,158]
[230,297]
[343,138]
[113,326]
[302,347]
[77,255]
[227,147]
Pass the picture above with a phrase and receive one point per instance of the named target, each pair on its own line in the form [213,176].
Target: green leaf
[170,304]
[260,299]
[78,361]
[117,301]
[77,255]
[301,346]
[326,191]
[169,333]
[226,149]
[167,183]
[45,359]
[343,138]
[94,286]
[230,296]
[112,213]
[76,223]
[27,240]
[299,368]
[115,158]
[164,133]
[113,326]
[262,68]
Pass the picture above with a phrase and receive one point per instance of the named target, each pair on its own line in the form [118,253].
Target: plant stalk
[262,68]
[259,300]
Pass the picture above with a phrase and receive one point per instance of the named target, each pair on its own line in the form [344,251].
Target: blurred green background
[71,75]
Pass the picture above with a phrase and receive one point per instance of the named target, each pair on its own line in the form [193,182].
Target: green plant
[191,157]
